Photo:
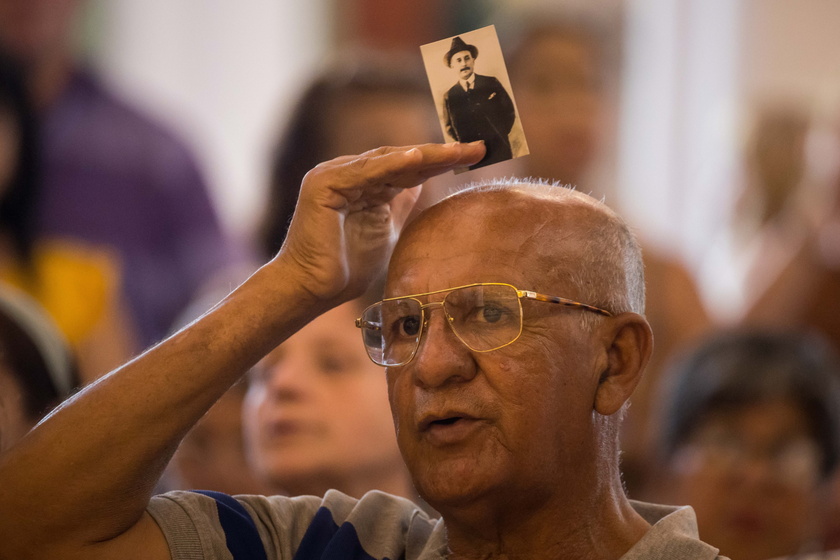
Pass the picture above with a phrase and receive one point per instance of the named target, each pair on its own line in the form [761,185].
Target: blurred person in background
[778,204]
[317,414]
[76,282]
[212,454]
[359,102]
[111,176]
[560,71]
[801,261]
[750,436]
[37,368]
[795,270]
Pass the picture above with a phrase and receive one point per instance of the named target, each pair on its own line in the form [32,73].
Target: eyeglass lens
[793,461]
[484,317]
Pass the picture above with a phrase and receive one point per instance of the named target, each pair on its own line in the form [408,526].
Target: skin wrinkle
[544,385]
[564,268]
[95,496]
[593,244]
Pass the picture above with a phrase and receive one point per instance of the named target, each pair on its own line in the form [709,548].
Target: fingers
[452,155]
[433,154]
[351,208]
[435,158]
[376,172]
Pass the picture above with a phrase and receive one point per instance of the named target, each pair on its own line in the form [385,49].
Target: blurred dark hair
[736,368]
[304,142]
[18,198]
[35,354]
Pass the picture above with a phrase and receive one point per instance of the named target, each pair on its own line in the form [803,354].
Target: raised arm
[77,486]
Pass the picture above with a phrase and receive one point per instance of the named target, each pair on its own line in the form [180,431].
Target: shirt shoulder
[673,534]
[377,526]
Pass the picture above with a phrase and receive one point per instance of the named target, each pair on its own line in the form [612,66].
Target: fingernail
[476,143]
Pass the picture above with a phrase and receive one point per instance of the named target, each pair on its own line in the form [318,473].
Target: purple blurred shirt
[114,177]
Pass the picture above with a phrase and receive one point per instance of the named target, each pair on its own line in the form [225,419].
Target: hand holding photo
[478,106]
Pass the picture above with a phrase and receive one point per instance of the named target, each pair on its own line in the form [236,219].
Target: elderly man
[512,337]
[477,107]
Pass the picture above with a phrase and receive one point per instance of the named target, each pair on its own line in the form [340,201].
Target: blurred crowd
[109,240]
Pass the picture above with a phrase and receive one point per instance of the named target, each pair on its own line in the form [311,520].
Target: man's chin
[455,485]
[452,497]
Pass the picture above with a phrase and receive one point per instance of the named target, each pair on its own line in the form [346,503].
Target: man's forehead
[537,200]
[462,54]
[510,229]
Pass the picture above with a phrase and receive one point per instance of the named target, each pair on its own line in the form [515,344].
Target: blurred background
[148,170]
[692,75]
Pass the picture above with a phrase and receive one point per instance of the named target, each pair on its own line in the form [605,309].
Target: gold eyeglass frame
[521,294]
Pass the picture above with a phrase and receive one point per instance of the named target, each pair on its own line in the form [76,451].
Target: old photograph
[472,94]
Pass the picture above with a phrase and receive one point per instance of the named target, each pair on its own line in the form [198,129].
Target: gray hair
[610,272]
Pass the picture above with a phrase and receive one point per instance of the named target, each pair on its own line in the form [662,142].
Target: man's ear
[629,342]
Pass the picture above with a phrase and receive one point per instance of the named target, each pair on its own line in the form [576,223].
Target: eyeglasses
[793,462]
[484,316]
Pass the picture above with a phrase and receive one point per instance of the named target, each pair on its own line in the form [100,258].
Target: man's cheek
[399,397]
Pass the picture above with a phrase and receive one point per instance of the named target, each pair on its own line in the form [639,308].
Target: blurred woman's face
[560,103]
[363,121]
[317,415]
[752,476]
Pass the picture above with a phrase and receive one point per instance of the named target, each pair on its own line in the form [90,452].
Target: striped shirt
[204,526]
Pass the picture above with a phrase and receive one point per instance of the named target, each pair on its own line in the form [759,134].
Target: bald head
[550,400]
[558,236]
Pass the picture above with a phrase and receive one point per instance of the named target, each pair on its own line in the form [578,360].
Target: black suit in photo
[485,112]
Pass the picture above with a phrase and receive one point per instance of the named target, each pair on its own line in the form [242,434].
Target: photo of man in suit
[477,107]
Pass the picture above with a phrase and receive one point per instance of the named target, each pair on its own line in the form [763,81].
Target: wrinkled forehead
[512,235]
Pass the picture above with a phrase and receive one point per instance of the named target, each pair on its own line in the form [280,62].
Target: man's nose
[441,357]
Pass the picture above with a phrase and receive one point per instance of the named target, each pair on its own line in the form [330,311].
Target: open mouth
[443,421]
[449,430]
[446,421]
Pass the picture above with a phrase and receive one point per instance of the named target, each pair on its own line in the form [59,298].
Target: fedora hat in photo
[459,45]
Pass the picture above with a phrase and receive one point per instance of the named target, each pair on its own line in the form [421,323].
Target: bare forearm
[107,447]
[81,480]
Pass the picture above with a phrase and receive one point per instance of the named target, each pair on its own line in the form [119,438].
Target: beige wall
[222,73]
[791,49]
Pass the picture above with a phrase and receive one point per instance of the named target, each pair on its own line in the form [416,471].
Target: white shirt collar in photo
[465,84]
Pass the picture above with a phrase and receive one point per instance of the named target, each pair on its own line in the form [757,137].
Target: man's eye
[409,326]
[491,314]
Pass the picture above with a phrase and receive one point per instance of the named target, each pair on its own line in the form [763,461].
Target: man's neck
[602,525]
